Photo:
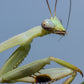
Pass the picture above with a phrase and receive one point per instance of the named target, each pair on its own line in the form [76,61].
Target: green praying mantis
[34,72]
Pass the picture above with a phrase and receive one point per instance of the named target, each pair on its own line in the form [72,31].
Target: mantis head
[54,25]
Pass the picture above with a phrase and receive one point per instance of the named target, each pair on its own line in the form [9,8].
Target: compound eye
[48,25]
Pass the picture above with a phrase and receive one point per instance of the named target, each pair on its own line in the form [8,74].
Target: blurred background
[17,16]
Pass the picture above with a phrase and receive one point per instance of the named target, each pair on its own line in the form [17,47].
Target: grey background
[17,16]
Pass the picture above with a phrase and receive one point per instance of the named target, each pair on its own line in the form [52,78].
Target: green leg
[70,79]
[30,69]
[16,58]
[66,64]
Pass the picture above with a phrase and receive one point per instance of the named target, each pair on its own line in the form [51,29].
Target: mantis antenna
[49,8]
[68,16]
[55,12]
[55,7]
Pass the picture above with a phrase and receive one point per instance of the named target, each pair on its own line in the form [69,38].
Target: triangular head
[54,25]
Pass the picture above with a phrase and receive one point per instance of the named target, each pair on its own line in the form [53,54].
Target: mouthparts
[60,32]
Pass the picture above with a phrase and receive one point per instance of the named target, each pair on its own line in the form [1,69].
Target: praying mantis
[34,72]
